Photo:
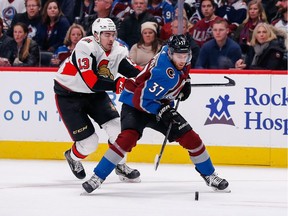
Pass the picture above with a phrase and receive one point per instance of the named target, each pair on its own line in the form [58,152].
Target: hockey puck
[196,195]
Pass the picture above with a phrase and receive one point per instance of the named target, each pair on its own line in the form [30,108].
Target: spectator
[255,14]
[166,30]
[73,35]
[130,28]
[4,40]
[121,8]
[221,52]
[8,9]
[234,11]
[188,7]
[196,11]
[67,7]
[270,8]
[31,18]
[83,9]
[266,51]
[102,9]
[23,51]
[202,30]
[142,52]
[53,28]
[218,3]
[282,21]
[188,10]
[162,10]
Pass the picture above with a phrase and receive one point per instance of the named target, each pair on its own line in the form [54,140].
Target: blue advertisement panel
[252,113]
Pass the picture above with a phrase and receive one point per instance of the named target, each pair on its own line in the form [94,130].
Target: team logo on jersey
[103,69]
[219,113]
[170,72]
[8,14]
[32,31]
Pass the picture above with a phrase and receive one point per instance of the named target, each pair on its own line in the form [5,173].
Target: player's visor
[181,57]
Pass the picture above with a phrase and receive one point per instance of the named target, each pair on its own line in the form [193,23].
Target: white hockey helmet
[103,24]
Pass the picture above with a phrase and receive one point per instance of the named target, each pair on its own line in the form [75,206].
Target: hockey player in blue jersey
[148,102]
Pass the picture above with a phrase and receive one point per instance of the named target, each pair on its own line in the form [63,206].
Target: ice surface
[48,188]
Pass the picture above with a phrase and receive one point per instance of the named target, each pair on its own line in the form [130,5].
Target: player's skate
[76,166]
[126,174]
[93,183]
[217,183]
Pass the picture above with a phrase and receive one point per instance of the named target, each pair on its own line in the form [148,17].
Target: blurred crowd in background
[224,34]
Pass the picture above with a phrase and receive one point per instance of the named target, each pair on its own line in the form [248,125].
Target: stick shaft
[165,139]
[230,82]
[210,84]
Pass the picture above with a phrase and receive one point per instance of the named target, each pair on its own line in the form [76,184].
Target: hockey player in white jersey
[80,92]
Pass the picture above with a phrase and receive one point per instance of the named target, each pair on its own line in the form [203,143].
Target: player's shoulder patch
[122,43]
[120,49]
[170,72]
[88,40]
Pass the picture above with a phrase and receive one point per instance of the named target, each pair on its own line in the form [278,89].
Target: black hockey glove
[169,115]
[185,91]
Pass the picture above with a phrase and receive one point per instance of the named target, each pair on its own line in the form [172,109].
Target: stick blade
[231,81]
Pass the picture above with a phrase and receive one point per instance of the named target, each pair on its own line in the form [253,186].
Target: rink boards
[246,124]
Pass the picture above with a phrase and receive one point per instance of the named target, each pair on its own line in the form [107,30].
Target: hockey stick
[230,82]
[158,157]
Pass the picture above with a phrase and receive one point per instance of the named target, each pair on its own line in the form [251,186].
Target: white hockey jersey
[89,65]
